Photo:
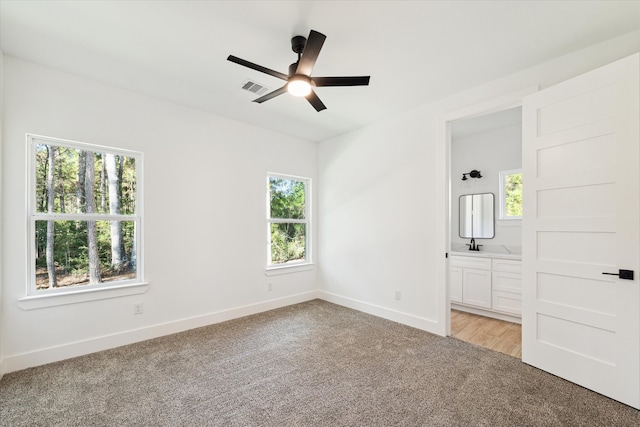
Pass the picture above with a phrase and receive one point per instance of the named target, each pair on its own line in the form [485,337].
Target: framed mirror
[476,216]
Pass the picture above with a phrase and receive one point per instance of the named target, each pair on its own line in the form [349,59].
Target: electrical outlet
[398,295]
[137,308]
[269,286]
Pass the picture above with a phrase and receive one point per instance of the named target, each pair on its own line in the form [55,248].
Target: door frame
[443,151]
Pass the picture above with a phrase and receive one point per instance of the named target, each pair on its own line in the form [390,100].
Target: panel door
[581,219]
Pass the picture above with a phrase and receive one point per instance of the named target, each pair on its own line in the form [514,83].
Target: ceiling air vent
[254,87]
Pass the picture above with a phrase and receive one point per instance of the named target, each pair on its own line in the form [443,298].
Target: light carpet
[311,364]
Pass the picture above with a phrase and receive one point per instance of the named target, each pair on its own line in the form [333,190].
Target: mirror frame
[491,214]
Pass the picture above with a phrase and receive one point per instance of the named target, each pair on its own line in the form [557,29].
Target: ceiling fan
[299,80]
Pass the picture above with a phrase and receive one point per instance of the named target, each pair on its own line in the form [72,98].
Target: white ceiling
[415,51]
[485,123]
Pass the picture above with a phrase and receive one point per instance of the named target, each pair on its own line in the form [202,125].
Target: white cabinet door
[455,284]
[476,287]
[581,162]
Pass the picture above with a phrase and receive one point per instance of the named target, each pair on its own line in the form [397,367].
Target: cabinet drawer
[470,262]
[509,282]
[507,302]
[510,265]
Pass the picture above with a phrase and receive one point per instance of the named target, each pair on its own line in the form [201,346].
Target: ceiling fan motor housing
[298,43]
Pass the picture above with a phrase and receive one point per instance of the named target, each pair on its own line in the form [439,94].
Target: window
[511,194]
[288,223]
[84,216]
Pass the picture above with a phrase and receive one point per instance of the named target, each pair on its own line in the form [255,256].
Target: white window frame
[307,221]
[65,295]
[503,196]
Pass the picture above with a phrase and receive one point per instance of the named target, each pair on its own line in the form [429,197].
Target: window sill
[33,302]
[287,269]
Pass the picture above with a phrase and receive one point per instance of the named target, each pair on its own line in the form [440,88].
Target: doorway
[485,237]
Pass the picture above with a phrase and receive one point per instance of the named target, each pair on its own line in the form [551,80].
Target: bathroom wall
[490,150]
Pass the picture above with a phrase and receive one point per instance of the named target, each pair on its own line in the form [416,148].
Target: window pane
[287,198]
[288,243]
[66,178]
[513,195]
[68,241]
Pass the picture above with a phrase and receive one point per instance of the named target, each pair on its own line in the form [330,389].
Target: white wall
[383,218]
[490,152]
[377,219]
[204,201]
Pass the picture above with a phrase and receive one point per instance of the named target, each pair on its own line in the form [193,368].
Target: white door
[581,219]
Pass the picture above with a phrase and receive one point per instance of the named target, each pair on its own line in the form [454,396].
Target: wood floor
[498,335]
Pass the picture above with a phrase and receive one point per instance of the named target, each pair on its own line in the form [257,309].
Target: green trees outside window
[288,220]
[84,219]
[511,194]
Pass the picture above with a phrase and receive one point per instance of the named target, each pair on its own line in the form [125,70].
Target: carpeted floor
[312,364]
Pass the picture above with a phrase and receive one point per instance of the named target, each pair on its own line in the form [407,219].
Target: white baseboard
[386,313]
[66,351]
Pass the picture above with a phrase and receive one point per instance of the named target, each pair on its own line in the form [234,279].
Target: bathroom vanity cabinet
[488,285]
[470,280]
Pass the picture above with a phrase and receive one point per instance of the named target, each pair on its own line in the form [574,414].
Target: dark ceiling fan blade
[315,101]
[257,67]
[270,95]
[341,81]
[310,53]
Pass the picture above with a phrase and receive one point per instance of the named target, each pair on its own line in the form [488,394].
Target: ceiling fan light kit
[299,80]
[299,85]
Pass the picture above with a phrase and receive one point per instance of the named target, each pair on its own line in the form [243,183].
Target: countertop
[490,251]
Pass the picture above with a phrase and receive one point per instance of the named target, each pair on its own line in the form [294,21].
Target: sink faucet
[473,246]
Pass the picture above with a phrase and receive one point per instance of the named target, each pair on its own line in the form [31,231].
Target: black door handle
[623,274]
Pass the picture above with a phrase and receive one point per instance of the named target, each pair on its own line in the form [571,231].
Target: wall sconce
[473,174]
